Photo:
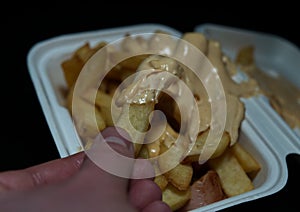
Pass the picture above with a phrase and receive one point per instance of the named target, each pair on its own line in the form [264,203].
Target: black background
[25,136]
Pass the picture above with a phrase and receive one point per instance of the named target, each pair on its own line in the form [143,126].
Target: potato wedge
[194,154]
[247,161]
[234,179]
[180,176]
[71,69]
[138,115]
[143,152]
[103,103]
[72,66]
[175,198]
[84,121]
[161,181]
[245,56]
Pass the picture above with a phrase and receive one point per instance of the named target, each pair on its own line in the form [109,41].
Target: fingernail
[116,136]
[117,140]
[123,142]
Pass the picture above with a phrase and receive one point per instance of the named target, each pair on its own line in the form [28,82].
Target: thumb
[109,160]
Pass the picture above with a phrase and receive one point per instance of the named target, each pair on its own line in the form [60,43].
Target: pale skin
[75,183]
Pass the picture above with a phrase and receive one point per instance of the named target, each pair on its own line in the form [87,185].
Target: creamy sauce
[137,91]
[233,90]
[284,97]
[154,74]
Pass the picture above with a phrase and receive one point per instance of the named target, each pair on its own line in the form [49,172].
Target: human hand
[76,183]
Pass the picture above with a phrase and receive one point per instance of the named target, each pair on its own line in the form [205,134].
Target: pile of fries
[233,168]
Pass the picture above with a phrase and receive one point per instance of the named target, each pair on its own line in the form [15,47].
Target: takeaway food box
[263,131]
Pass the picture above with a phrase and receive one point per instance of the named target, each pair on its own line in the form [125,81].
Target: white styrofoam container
[272,53]
[268,147]
[44,60]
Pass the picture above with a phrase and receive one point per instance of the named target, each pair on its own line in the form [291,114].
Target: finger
[104,159]
[143,169]
[92,187]
[144,192]
[157,206]
[46,173]
[96,179]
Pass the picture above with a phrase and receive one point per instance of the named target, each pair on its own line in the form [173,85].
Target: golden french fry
[245,56]
[153,149]
[197,39]
[169,161]
[234,179]
[167,138]
[194,154]
[223,145]
[71,69]
[102,102]
[143,152]
[133,63]
[144,100]
[85,51]
[109,86]
[138,116]
[119,73]
[169,107]
[69,98]
[125,68]
[180,176]
[247,161]
[84,121]
[175,198]
[72,66]
[161,181]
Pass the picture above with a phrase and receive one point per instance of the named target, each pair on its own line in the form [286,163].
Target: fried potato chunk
[180,176]
[234,179]
[247,161]
[175,198]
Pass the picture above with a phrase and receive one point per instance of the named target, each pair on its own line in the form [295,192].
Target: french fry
[103,103]
[163,143]
[175,152]
[197,39]
[143,152]
[174,197]
[234,179]
[71,69]
[194,154]
[247,161]
[143,103]
[133,63]
[245,56]
[85,52]
[72,66]
[138,116]
[84,121]
[180,176]
[161,181]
